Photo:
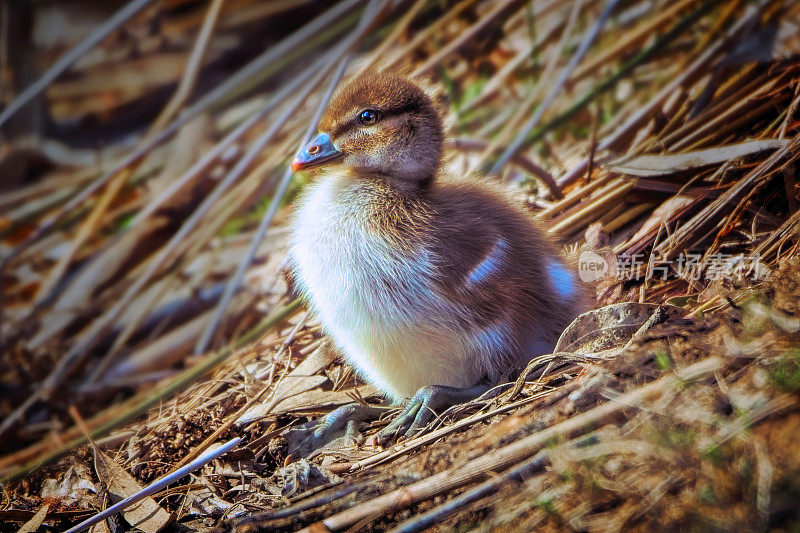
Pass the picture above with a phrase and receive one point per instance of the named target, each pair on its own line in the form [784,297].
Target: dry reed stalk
[607,196]
[89,227]
[575,196]
[630,214]
[192,69]
[383,48]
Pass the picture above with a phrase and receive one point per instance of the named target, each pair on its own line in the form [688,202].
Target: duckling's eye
[368,117]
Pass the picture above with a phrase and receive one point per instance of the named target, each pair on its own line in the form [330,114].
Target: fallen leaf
[34,523]
[608,327]
[660,165]
[145,515]
[303,378]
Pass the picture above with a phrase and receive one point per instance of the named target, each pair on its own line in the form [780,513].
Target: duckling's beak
[318,151]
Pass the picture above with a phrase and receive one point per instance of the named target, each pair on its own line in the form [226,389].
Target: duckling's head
[378,126]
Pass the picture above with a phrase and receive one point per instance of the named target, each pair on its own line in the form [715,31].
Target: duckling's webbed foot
[339,427]
[422,407]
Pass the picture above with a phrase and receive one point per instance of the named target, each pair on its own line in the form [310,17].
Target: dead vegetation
[142,228]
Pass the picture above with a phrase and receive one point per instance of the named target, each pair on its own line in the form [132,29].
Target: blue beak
[317,152]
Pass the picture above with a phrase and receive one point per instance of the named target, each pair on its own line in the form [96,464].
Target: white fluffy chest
[376,302]
[349,269]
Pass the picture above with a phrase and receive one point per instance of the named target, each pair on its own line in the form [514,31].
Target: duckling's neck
[379,205]
[358,188]
[401,184]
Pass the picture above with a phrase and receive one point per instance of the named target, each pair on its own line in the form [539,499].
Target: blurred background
[144,191]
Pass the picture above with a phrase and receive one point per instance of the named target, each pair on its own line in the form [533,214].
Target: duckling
[433,288]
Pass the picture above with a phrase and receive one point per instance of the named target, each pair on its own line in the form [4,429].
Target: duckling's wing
[496,265]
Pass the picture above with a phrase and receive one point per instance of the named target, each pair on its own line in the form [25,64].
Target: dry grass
[676,132]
